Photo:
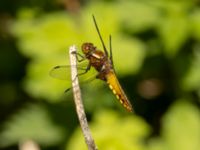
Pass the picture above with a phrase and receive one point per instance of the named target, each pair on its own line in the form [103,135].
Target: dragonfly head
[87,48]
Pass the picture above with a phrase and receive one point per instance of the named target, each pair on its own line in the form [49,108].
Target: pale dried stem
[78,101]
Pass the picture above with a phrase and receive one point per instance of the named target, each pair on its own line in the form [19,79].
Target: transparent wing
[63,72]
[60,72]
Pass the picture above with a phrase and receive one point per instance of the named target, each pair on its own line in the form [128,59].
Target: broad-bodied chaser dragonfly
[103,64]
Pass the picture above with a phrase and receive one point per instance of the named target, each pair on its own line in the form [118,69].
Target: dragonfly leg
[79,57]
[67,90]
[86,70]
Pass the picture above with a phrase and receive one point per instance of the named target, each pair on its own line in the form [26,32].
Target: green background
[156,50]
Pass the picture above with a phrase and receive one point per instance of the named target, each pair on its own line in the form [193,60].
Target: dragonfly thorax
[97,59]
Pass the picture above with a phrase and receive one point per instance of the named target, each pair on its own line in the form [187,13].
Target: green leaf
[174,28]
[112,131]
[128,55]
[139,15]
[195,24]
[181,128]
[33,123]
[191,80]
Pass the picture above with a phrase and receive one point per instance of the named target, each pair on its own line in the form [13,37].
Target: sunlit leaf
[191,80]
[33,122]
[195,23]
[112,131]
[174,27]
[181,128]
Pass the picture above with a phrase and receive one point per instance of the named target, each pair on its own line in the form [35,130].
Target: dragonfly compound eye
[87,48]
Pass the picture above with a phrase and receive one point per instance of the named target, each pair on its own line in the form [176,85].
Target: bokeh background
[156,49]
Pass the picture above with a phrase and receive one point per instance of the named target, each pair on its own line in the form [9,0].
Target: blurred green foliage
[156,56]
[113,131]
[31,123]
[181,128]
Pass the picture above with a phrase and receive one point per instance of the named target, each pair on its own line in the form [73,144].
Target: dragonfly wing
[116,88]
[64,72]
[61,72]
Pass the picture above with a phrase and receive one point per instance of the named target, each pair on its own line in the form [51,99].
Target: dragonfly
[102,62]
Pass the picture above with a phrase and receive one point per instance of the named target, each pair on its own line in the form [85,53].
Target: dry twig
[78,101]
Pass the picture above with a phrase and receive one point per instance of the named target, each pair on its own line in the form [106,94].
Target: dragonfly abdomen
[114,85]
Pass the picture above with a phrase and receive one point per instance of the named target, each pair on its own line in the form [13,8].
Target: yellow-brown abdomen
[118,91]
